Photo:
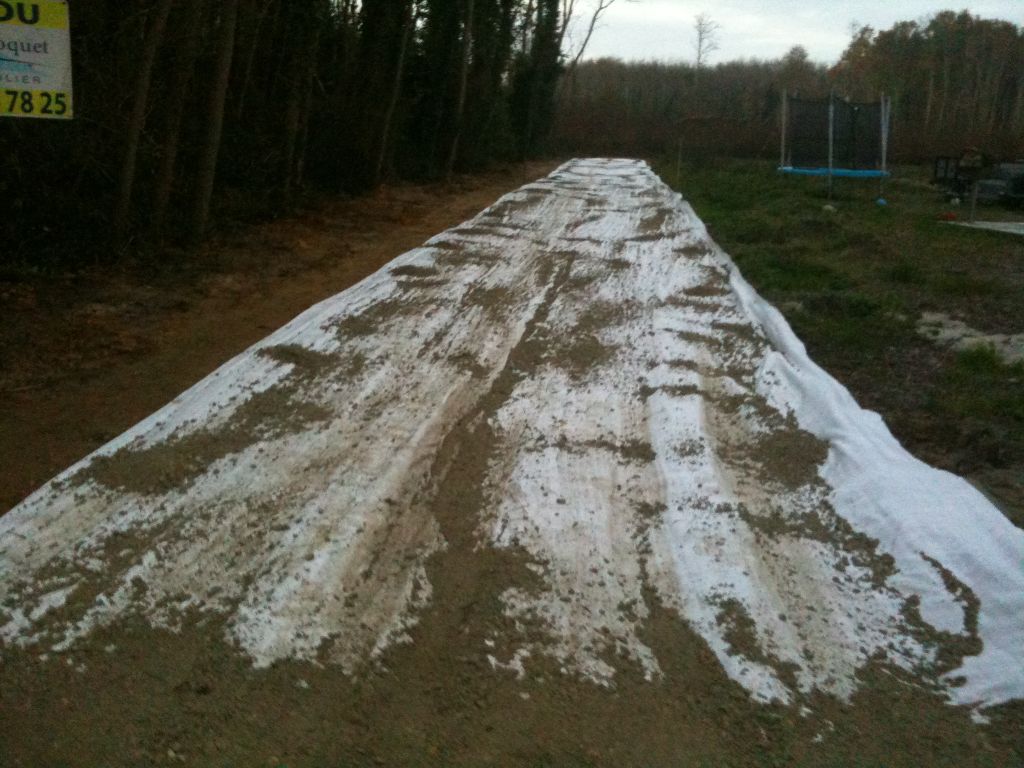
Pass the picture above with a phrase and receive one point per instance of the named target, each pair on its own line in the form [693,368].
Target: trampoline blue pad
[848,173]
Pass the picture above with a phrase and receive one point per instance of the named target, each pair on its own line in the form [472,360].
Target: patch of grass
[983,360]
[853,277]
[983,391]
[784,273]
[845,306]
[758,230]
[964,286]
[850,329]
[904,273]
[981,400]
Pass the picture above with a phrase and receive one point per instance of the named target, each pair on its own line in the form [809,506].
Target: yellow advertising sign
[35,59]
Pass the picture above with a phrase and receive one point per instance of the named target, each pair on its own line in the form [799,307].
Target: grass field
[853,283]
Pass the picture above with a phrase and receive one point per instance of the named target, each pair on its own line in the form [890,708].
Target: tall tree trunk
[460,102]
[137,120]
[976,96]
[307,111]
[292,110]
[206,171]
[930,99]
[396,89]
[527,23]
[568,13]
[1018,120]
[302,65]
[259,15]
[945,91]
[994,102]
[181,77]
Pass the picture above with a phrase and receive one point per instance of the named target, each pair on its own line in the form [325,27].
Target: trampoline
[835,138]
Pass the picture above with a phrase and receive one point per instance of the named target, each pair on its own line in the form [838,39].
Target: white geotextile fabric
[633,471]
[912,509]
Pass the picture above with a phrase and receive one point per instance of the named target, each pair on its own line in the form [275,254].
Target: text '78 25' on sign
[33,103]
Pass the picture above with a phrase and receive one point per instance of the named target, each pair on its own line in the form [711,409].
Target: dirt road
[555,488]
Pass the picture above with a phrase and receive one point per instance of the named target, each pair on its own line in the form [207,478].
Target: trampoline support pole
[785,116]
[831,139]
[884,115]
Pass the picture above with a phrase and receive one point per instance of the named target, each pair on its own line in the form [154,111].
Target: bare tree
[568,10]
[706,42]
[568,13]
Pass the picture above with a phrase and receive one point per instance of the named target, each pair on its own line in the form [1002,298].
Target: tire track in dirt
[229,512]
[751,552]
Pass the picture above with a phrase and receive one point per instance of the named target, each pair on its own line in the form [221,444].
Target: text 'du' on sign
[35,59]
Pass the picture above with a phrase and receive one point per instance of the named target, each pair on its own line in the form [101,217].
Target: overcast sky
[663,29]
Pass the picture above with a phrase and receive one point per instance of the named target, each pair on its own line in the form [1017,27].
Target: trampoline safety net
[857,140]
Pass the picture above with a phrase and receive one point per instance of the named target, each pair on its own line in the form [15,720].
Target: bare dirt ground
[86,355]
[522,499]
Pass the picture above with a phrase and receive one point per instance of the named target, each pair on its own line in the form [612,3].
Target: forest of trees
[955,80]
[194,111]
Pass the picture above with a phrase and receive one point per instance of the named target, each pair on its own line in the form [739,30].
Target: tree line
[189,112]
[955,80]
[195,112]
